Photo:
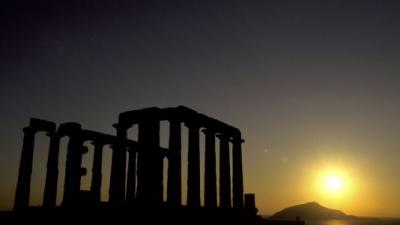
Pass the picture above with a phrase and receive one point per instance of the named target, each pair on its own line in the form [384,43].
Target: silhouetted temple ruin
[143,183]
[136,189]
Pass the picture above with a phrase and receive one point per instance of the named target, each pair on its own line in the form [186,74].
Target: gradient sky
[313,85]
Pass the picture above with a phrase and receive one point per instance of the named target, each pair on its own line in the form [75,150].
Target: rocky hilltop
[310,210]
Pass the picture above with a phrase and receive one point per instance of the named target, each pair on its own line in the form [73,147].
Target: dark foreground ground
[137,216]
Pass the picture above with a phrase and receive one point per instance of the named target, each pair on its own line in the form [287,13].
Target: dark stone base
[137,215]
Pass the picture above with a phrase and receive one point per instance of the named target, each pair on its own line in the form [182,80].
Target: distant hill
[310,210]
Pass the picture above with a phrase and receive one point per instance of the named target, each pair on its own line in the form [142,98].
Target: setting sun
[334,183]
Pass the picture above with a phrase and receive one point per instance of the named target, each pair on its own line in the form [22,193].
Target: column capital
[237,140]
[131,149]
[192,125]
[209,131]
[116,147]
[113,146]
[223,136]
[52,134]
[98,143]
[120,126]
[174,118]
[29,130]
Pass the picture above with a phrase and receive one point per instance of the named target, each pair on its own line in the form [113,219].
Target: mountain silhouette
[310,210]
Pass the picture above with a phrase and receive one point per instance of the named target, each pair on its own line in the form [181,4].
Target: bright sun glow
[334,183]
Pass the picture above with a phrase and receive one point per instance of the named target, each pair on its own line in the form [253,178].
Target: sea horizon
[373,220]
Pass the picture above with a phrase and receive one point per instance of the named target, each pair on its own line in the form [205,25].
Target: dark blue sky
[309,83]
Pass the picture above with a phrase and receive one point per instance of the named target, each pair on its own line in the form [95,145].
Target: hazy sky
[313,85]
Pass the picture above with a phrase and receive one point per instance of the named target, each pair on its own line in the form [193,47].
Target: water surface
[355,222]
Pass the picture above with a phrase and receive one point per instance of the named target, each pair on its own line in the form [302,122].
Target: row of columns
[73,170]
[25,168]
[148,167]
[210,178]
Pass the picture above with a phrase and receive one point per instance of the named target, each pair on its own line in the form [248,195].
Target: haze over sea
[380,221]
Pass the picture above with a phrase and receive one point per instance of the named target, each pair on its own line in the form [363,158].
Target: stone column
[150,163]
[174,189]
[25,170]
[118,168]
[50,189]
[95,187]
[224,172]
[131,179]
[73,170]
[237,172]
[193,179]
[250,204]
[210,176]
